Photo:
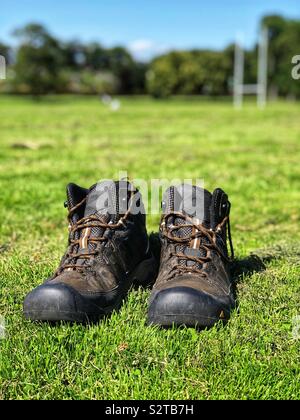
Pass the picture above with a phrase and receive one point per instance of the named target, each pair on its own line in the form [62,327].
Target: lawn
[253,155]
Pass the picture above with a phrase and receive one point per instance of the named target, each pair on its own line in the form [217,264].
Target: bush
[90,82]
[189,72]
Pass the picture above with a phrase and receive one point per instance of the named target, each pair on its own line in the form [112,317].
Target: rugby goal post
[260,88]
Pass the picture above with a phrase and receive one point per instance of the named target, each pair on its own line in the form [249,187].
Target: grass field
[253,155]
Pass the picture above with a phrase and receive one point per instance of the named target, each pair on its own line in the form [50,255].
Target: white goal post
[260,89]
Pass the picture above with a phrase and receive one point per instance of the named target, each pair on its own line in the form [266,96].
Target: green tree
[284,43]
[97,57]
[74,55]
[123,67]
[39,61]
[163,74]
[115,64]
[189,72]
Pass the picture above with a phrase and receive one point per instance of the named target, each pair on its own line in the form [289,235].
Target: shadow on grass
[246,267]
[154,244]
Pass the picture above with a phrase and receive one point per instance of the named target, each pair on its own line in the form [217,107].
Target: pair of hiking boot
[108,253]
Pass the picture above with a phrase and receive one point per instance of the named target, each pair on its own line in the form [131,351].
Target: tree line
[43,64]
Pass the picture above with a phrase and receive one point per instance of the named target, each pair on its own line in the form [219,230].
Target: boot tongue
[108,200]
[189,200]
[194,202]
[102,201]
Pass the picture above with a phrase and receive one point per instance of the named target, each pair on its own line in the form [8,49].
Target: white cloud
[141,45]
[145,49]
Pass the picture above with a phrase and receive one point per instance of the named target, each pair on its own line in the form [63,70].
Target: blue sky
[146,27]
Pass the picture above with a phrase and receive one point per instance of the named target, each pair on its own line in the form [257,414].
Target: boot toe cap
[186,306]
[50,303]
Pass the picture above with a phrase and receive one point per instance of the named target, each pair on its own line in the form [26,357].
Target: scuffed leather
[216,280]
[124,250]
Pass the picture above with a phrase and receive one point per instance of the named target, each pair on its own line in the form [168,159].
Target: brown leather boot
[107,253]
[193,287]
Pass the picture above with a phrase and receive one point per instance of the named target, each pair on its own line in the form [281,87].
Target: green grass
[253,155]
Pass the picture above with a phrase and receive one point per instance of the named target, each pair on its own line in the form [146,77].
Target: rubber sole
[184,306]
[60,302]
[52,316]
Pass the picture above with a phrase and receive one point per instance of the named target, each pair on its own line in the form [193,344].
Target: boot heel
[145,273]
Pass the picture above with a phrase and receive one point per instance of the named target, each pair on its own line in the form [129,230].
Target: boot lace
[200,232]
[91,221]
